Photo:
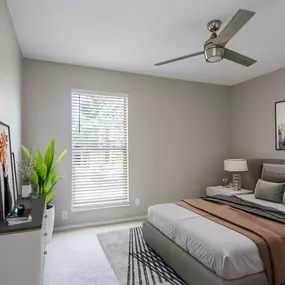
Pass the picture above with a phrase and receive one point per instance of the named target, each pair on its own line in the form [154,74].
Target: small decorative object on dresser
[236,166]
[215,190]
[45,177]
[26,168]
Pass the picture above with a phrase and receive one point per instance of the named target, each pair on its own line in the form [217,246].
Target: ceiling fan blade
[179,58]
[235,24]
[238,58]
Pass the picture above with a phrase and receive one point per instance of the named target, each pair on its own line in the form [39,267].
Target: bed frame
[188,268]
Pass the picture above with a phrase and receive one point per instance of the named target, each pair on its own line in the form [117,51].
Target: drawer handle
[45,252]
[46,216]
[45,234]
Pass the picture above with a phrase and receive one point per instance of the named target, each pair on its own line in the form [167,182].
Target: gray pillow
[269,191]
[273,173]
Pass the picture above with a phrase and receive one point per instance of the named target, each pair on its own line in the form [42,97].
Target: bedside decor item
[45,177]
[27,171]
[6,164]
[236,166]
[280,125]
[225,182]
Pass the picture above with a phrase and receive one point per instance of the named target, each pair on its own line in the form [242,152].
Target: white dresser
[215,190]
[22,248]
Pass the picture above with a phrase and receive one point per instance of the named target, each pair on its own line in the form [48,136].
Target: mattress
[227,253]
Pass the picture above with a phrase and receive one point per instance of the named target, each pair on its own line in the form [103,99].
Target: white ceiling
[132,35]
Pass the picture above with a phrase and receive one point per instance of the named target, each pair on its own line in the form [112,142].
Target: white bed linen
[229,254]
[251,198]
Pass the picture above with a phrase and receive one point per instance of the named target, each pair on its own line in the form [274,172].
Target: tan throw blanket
[269,236]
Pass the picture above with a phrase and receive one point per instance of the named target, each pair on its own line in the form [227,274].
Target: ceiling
[132,35]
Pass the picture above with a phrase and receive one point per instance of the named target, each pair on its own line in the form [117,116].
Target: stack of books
[16,219]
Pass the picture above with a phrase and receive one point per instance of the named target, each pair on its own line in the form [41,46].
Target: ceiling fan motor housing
[213,53]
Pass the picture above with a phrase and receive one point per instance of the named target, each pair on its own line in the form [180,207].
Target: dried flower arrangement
[26,169]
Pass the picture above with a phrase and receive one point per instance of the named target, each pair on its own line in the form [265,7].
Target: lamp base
[236,181]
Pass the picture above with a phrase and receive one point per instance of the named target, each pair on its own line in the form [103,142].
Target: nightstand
[214,190]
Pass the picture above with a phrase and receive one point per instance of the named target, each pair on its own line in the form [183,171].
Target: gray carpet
[133,262]
[76,258]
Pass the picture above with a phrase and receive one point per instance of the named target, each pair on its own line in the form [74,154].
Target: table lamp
[236,166]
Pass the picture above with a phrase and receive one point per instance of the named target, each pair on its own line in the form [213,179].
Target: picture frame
[280,125]
[6,163]
[15,177]
[2,203]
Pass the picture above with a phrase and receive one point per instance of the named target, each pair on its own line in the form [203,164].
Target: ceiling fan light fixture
[214,47]
[214,54]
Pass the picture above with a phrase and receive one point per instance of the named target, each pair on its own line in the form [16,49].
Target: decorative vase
[26,189]
[35,191]
[7,196]
[49,222]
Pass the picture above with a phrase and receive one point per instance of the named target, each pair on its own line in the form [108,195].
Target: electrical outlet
[64,215]
[137,202]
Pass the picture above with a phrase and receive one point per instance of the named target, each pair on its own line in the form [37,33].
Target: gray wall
[10,78]
[177,132]
[253,116]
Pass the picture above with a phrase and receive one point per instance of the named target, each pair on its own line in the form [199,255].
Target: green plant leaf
[39,159]
[35,178]
[49,155]
[54,181]
[26,152]
[50,197]
[42,171]
[61,157]
[47,187]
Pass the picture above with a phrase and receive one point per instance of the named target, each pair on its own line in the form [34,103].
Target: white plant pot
[26,190]
[49,222]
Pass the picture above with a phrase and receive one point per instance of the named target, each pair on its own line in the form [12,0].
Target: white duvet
[229,254]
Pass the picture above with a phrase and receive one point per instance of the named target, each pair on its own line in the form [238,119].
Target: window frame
[112,204]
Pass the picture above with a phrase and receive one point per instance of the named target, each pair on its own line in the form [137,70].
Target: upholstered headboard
[250,178]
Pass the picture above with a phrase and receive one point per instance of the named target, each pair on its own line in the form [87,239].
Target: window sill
[100,207]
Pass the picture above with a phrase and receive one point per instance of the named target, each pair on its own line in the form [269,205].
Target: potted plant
[45,177]
[27,170]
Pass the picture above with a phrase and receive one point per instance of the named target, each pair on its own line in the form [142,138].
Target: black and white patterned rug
[133,261]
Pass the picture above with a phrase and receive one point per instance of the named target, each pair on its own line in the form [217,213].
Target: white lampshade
[235,165]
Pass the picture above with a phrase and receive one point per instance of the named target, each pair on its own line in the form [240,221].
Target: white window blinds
[99,150]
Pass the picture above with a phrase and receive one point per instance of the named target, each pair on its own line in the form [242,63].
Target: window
[99,150]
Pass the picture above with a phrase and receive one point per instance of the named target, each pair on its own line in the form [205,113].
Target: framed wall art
[6,164]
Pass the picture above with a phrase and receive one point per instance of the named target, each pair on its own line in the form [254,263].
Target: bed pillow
[269,191]
[273,173]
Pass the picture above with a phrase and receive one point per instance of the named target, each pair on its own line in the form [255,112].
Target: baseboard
[94,224]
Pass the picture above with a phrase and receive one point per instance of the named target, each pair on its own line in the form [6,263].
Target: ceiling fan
[214,47]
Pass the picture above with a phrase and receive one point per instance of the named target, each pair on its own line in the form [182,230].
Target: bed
[202,251]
